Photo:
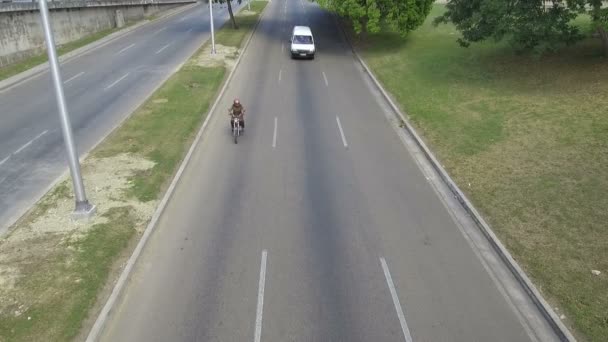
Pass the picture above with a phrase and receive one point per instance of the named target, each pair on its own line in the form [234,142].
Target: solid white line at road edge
[391,287]
[260,309]
[4,160]
[124,49]
[274,136]
[341,132]
[29,143]
[101,320]
[325,78]
[162,49]
[74,77]
[116,82]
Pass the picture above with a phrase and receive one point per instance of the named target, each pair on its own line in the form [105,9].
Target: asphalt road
[101,88]
[318,226]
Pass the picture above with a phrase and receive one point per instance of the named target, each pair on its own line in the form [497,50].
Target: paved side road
[317,226]
[102,88]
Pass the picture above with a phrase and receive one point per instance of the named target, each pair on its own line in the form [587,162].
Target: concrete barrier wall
[21,33]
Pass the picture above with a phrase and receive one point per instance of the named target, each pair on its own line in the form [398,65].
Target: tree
[229,3]
[529,25]
[598,11]
[368,15]
[234,24]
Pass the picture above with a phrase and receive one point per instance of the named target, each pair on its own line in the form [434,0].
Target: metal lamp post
[212,32]
[83,208]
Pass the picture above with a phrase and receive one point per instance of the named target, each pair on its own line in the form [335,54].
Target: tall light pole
[212,32]
[248,5]
[83,208]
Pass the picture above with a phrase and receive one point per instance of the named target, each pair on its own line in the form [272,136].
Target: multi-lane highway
[102,87]
[318,226]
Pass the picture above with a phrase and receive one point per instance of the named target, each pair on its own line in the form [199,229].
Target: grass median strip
[52,270]
[526,139]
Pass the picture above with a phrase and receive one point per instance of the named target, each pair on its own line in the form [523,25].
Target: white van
[302,42]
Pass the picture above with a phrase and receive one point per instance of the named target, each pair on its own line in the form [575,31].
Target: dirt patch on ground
[54,270]
[45,236]
[224,56]
[246,13]
[8,275]
[105,180]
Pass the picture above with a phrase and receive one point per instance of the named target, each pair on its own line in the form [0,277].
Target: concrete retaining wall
[21,31]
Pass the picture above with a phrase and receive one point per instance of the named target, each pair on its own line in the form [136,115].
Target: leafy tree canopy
[530,25]
[368,15]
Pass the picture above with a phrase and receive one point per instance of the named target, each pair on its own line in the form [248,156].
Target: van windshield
[302,40]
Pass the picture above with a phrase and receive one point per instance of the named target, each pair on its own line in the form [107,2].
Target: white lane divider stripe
[325,78]
[182,19]
[23,147]
[190,30]
[274,136]
[341,132]
[260,308]
[280,75]
[162,49]
[159,31]
[30,142]
[391,287]
[4,160]
[124,49]
[74,77]
[116,82]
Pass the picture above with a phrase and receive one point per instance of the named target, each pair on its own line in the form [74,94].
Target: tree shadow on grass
[568,70]
[385,41]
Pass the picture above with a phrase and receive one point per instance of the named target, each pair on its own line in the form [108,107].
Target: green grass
[67,290]
[160,130]
[187,95]
[61,276]
[527,139]
[231,37]
[30,62]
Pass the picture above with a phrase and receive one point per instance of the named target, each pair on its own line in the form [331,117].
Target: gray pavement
[102,88]
[358,245]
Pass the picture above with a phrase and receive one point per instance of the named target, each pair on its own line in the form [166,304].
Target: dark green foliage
[368,15]
[534,25]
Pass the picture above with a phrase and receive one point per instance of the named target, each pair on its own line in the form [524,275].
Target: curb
[100,322]
[554,321]
[5,227]
[39,69]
